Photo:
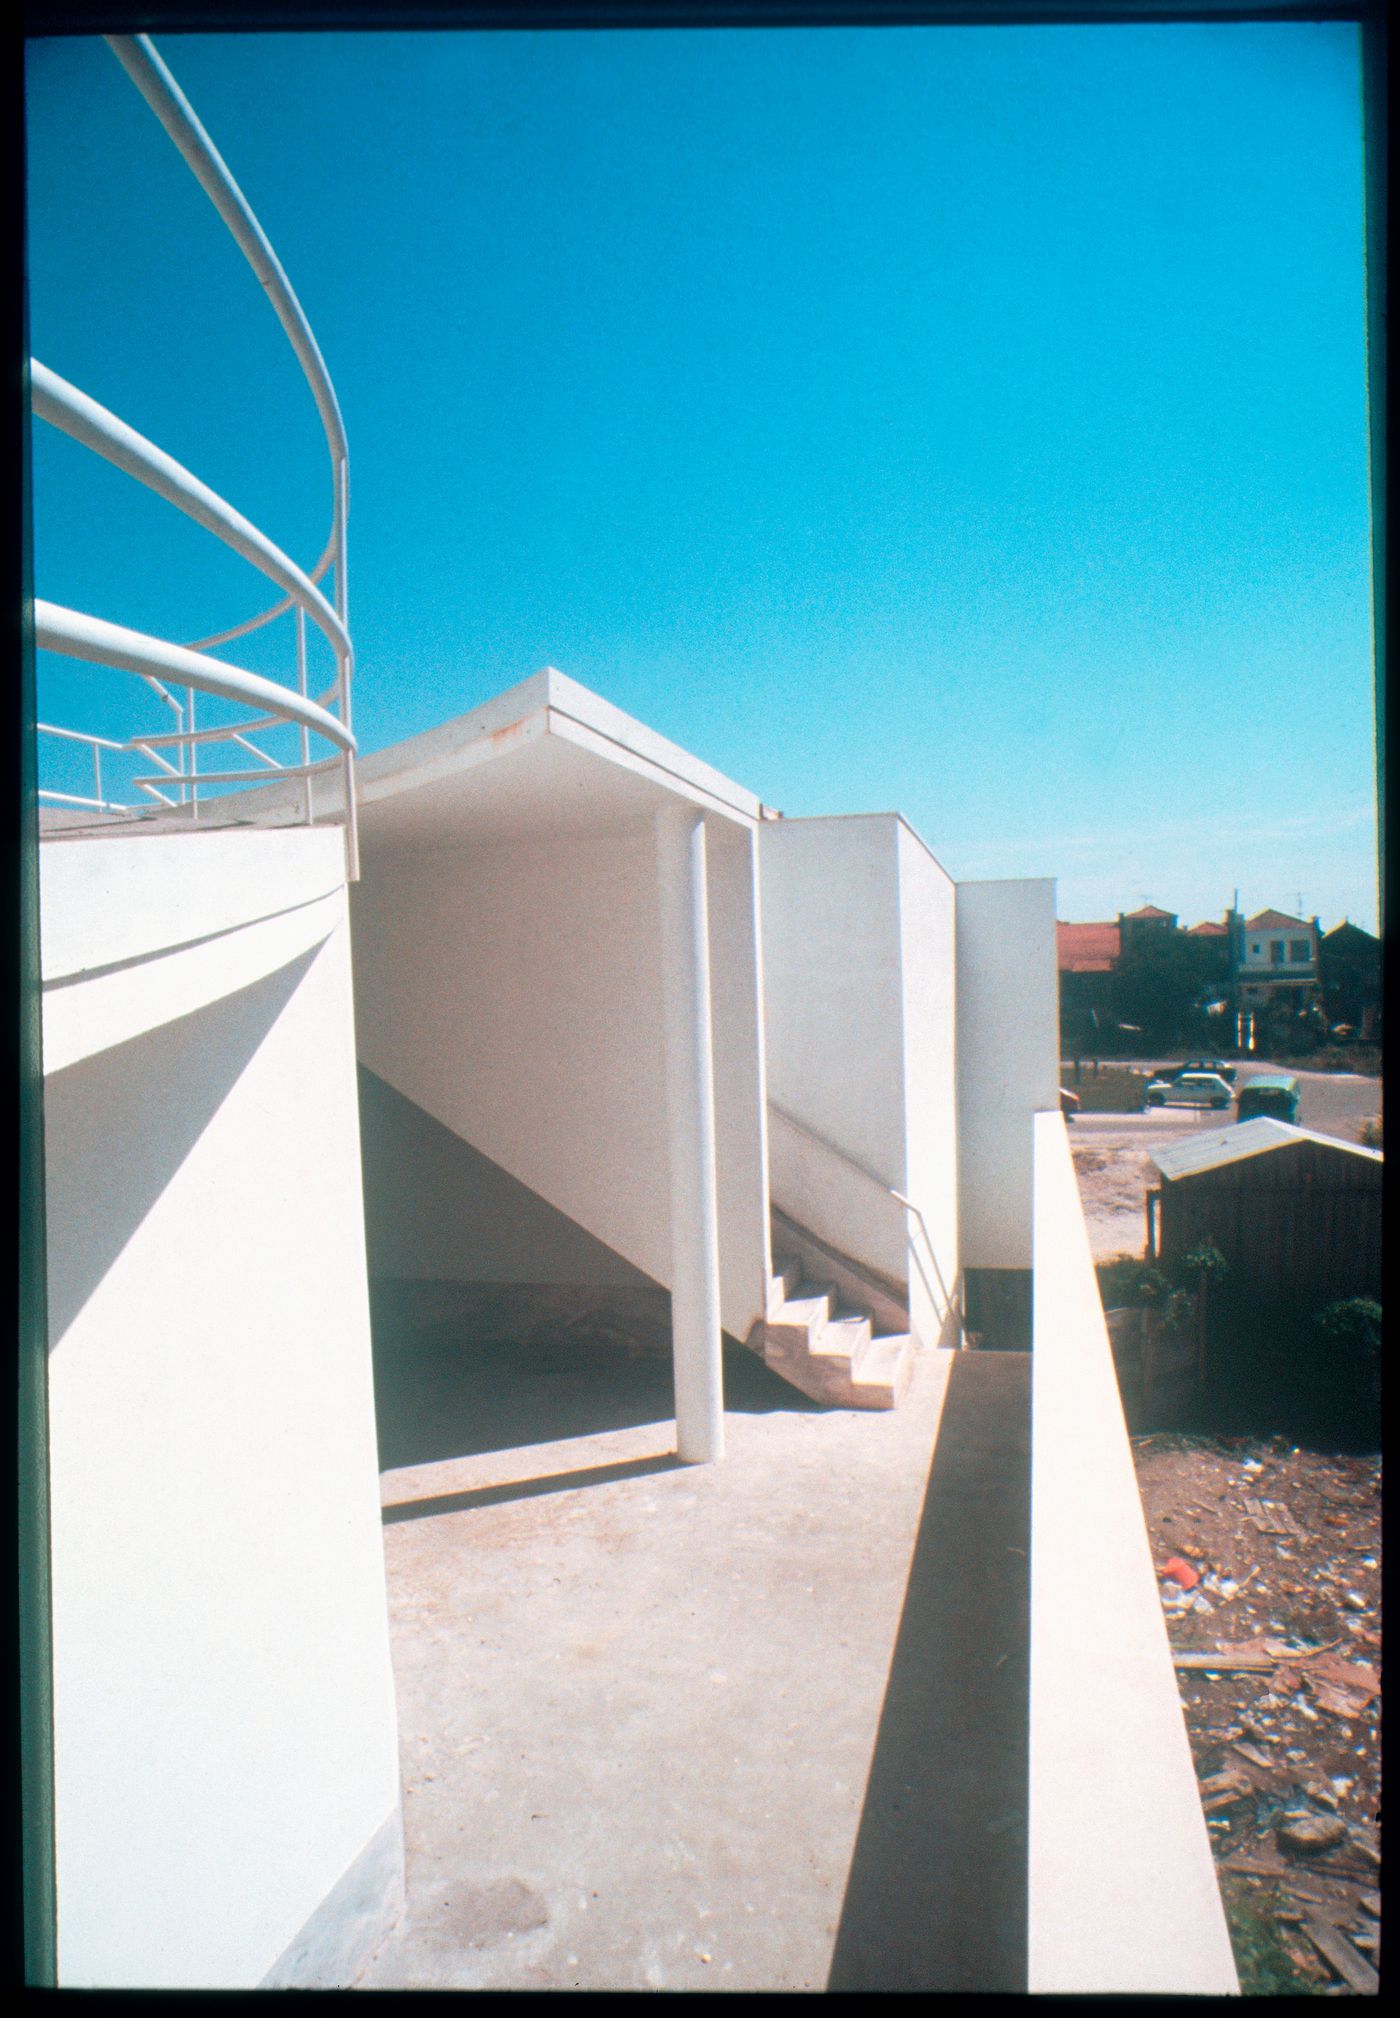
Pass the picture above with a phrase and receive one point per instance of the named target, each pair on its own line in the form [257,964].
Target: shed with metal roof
[1297,1215]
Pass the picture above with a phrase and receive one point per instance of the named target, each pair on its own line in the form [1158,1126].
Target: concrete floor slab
[639,1702]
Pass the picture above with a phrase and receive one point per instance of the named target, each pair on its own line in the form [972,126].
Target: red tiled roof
[1150,911]
[1086,949]
[1209,928]
[1273,921]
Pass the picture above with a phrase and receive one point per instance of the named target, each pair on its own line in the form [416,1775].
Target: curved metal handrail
[147,71]
[81,418]
[91,638]
[94,639]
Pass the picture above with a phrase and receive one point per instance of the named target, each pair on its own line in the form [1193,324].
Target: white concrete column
[690,1101]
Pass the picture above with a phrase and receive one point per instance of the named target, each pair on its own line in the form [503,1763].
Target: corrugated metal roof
[1219,1146]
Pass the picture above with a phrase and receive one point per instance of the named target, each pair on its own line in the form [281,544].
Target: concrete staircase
[828,1351]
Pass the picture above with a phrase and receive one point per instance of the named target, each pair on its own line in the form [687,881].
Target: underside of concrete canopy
[545,758]
[557,985]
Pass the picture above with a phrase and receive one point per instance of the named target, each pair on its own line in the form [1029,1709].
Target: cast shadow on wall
[118,1127]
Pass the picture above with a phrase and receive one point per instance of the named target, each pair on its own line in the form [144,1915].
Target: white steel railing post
[97,771]
[346,662]
[301,685]
[193,749]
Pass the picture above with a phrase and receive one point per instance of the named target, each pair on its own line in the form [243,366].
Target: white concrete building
[787,1070]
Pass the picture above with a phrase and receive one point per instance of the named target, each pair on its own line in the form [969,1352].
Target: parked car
[1227,1072]
[1272,1093]
[1190,1089]
[1069,1103]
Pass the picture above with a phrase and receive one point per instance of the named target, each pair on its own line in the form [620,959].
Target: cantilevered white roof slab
[1219,1146]
[546,757]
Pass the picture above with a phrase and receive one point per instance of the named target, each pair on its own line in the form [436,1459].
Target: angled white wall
[858,944]
[225,1741]
[1008,1045]
[512,991]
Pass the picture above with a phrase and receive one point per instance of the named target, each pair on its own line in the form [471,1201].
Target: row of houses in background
[1238,970]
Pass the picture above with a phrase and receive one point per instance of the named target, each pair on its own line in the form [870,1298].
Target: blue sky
[963,421]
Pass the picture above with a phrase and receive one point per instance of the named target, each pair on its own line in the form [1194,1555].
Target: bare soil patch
[1115,1174]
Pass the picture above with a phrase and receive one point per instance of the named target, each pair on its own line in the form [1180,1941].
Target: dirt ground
[1115,1172]
[1286,1546]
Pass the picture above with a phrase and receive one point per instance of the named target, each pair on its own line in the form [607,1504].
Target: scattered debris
[1336,1949]
[1271,1517]
[1180,1572]
[1225,1661]
[1310,1835]
[1280,1688]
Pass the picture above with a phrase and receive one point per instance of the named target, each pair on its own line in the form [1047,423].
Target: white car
[1191,1089]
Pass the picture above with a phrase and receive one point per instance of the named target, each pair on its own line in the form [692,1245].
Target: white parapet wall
[858,948]
[1123,1895]
[1008,1047]
[227,1805]
[512,991]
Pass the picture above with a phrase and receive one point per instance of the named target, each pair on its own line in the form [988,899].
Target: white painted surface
[513,991]
[683,894]
[225,1737]
[418,790]
[831,954]
[1123,1896]
[741,1107]
[859,962]
[832,964]
[1008,1046]
[928,1009]
[437,1210]
[153,927]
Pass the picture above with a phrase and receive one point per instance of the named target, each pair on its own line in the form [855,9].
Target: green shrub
[1126,1280]
[1204,1263]
[1351,1332]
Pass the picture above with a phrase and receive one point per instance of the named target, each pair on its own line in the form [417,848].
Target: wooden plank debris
[1272,1517]
[1349,1964]
[1259,1862]
[1338,1702]
[1227,1661]
[1356,1677]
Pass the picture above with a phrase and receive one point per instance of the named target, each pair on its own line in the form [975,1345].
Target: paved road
[1334,1103]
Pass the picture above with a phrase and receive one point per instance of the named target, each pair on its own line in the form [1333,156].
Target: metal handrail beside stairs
[950,1303]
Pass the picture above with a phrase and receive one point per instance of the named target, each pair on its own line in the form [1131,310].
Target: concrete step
[815,1341]
[782,1285]
[798,1323]
[860,1287]
[881,1374]
[844,1336]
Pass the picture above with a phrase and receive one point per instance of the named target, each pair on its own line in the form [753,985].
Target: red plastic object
[1180,1572]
